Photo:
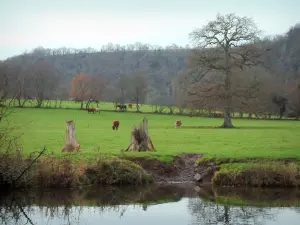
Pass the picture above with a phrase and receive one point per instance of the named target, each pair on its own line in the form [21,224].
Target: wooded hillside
[160,68]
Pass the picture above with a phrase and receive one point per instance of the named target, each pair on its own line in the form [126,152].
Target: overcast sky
[26,24]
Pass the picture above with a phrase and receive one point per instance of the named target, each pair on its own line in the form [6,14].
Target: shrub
[117,171]
[54,172]
[258,175]
[11,166]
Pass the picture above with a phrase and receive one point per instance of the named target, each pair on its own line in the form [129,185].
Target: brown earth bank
[52,172]
[194,168]
[181,170]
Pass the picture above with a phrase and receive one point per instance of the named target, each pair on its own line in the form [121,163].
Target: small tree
[123,85]
[223,47]
[7,141]
[294,100]
[179,94]
[89,88]
[137,90]
[97,86]
[80,88]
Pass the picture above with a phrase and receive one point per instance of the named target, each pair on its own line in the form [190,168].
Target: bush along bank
[252,172]
[53,172]
[50,171]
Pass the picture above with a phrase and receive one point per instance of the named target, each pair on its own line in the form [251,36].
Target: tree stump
[72,145]
[140,141]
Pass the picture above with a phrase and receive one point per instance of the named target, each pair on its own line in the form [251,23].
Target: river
[152,205]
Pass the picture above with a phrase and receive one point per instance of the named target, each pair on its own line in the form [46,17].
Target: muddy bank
[194,168]
[53,172]
[181,170]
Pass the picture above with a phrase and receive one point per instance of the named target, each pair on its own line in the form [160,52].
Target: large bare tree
[122,85]
[89,88]
[138,88]
[179,93]
[44,80]
[97,86]
[222,48]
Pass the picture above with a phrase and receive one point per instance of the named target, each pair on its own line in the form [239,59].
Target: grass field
[252,138]
[75,105]
[108,106]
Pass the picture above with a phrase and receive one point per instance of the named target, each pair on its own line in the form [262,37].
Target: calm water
[154,205]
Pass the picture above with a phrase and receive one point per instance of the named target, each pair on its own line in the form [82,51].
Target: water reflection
[157,204]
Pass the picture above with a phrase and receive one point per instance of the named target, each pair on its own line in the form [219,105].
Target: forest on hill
[154,72]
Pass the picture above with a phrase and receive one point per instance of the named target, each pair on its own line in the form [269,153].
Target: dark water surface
[152,205]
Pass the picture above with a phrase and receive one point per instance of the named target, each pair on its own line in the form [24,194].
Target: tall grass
[270,174]
[52,172]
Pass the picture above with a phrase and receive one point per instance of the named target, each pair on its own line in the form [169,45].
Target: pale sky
[26,24]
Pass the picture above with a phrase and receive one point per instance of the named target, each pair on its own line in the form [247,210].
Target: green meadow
[260,139]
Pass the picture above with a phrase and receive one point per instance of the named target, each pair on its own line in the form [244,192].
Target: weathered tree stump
[140,141]
[72,145]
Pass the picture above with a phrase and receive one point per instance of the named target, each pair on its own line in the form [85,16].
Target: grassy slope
[253,139]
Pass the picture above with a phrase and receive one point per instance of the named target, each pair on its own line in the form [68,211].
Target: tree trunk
[88,104]
[228,95]
[39,103]
[140,141]
[250,116]
[227,118]
[72,145]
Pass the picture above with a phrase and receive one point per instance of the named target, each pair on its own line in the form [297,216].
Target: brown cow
[91,110]
[116,124]
[218,115]
[130,106]
[178,123]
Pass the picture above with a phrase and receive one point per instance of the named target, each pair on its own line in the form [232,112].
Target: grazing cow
[97,110]
[130,106]
[91,110]
[116,124]
[218,115]
[178,123]
[122,107]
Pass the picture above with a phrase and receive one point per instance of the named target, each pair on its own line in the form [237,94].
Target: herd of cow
[124,107]
[120,106]
[116,123]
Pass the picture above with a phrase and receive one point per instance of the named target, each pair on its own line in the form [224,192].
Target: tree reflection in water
[211,213]
[206,206]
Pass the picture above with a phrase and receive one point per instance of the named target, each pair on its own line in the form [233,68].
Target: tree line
[229,68]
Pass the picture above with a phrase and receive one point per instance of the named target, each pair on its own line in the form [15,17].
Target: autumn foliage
[88,88]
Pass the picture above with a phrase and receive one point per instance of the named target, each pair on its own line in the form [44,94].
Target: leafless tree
[123,85]
[223,47]
[97,86]
[137,90]
[179,94]
[44,80]
[7,98]
[294,101]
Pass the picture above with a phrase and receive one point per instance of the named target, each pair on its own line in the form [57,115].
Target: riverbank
[52,172]
[187,154]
